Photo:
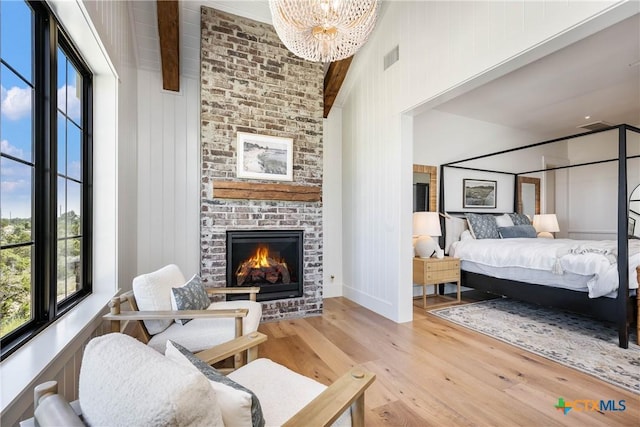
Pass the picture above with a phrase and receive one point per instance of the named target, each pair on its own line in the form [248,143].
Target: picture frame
[479,193]
[264,157]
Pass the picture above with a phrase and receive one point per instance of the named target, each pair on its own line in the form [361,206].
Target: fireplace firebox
[270,259]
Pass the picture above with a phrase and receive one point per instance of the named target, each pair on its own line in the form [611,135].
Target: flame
[260,259]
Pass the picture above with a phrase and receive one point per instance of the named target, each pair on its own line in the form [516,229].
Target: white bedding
[583,257]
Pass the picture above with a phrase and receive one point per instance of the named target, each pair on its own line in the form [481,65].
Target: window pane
[15,288]
[74,93]
[15,37]
[73,208]
[61,263]
[74,151]
[62,81]
[16,119]
[15,201]
[68,266]
[61,204]
[62,145]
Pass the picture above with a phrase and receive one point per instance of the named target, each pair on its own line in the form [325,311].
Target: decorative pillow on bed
[520,219]
[504,221]
[454,227]
[522,230]
[483,226]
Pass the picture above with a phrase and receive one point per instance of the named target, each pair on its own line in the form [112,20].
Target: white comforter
[585,257]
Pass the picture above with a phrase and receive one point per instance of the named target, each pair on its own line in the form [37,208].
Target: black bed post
[441,209]
[623,248]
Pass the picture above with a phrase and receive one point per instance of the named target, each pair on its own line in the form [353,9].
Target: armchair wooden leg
[114,308]
[238,358]
[357,412]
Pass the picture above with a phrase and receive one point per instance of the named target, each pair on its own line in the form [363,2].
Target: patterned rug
[576,341]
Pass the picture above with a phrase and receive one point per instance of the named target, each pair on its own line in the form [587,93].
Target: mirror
[634,213]
[425,188]
[528,202]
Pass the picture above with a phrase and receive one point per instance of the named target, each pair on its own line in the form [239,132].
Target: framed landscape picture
[264,157]
[479,193]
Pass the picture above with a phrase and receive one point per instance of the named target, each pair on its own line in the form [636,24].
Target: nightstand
[433,271]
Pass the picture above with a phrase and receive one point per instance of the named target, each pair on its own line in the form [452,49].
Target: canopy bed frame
[616,310]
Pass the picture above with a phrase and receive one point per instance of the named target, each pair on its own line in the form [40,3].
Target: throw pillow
[504,221]
[239,405]
[483,226]
[126,383]
[190,296]
[517,231]
[520,219]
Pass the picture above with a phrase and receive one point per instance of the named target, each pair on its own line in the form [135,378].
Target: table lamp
[426,225]
[545,225]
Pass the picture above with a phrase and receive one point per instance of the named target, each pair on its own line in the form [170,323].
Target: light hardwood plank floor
[431,372]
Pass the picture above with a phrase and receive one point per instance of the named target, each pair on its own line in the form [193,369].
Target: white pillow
[504,221]
[466,235]
[124,382]
[235,405]
[153,293]
[454,227]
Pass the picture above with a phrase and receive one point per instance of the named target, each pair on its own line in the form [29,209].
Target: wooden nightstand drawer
[430,271]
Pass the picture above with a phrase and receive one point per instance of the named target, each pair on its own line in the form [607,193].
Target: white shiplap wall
[444,47]
[168,174]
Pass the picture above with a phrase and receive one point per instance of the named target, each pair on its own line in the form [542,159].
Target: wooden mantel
[261,191]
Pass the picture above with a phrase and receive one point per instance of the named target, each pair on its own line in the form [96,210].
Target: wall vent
[392,57]
[595,125]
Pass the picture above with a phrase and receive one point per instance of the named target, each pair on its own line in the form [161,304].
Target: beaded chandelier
[323,30]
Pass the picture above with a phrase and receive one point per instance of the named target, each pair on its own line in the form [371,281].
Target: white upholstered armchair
[168,307]
[124,382]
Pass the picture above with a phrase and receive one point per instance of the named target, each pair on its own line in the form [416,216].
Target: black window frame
[48,37]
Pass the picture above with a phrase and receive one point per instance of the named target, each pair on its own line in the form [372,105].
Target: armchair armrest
[176,314]
[230,348]
[52,409]
[325,409]
[252,291]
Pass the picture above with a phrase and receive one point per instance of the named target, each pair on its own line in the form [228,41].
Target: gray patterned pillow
[191,296]
[519,219]
[483,226]
[522,230]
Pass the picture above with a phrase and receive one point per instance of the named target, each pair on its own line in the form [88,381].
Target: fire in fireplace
[270,259]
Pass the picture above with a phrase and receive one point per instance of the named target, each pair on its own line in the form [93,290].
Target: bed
[598,278]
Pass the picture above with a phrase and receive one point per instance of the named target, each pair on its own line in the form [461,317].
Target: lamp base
[545,234]
[426,247]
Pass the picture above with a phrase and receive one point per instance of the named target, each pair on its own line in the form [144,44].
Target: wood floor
[433,373]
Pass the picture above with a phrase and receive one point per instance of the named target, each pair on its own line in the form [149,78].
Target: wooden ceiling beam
[333,81]
[169,32]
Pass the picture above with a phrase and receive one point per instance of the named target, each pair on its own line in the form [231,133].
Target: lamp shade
[546,223]
[426,224]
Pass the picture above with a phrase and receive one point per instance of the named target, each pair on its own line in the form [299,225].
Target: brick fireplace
[251,83]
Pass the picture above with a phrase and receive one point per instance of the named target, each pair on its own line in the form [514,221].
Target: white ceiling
[550,97]
[145,28]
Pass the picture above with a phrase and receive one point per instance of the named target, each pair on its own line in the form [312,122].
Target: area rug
[576,341]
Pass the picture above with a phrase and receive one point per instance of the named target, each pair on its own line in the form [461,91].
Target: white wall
[168,177]
[443,47]
[332,204]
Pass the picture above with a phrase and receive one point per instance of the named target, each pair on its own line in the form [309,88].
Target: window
[45,173]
